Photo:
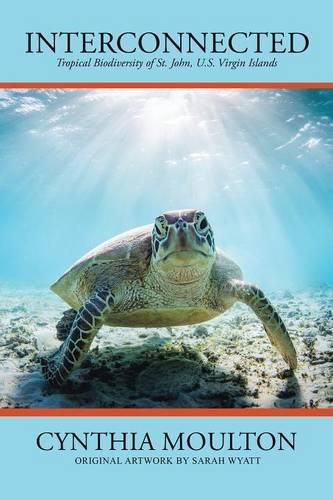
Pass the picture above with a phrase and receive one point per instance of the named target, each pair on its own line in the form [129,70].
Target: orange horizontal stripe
[165,85]
[166,412]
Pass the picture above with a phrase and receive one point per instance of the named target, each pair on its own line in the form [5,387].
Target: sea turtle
[164,274]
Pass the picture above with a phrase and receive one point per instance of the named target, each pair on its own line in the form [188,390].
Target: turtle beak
[180,235]
[181,238]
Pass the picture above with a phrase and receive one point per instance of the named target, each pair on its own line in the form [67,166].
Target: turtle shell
[125,257]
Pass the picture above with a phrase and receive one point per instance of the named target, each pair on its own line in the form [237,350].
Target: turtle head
[183,245]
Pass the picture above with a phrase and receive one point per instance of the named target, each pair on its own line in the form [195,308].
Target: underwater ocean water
[78,167]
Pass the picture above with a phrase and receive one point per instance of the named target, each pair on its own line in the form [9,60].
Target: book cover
[166,250]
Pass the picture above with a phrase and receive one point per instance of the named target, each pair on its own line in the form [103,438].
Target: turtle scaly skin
[87,322]
[64,325]
[161,275]
[273,324]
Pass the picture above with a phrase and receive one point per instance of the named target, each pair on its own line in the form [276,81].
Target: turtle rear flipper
[273,324]
[64,325]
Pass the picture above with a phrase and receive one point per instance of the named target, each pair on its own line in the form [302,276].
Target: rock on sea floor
[227,362]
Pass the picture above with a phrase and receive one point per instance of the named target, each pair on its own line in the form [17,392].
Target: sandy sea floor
[227,362]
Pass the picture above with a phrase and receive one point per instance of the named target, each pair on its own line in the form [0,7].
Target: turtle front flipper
[273,324]
[64,325]
[86,324]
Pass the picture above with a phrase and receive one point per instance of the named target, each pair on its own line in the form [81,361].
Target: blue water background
[79,166]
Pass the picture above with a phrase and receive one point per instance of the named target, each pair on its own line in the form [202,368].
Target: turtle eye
[161,227]
[202,223]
